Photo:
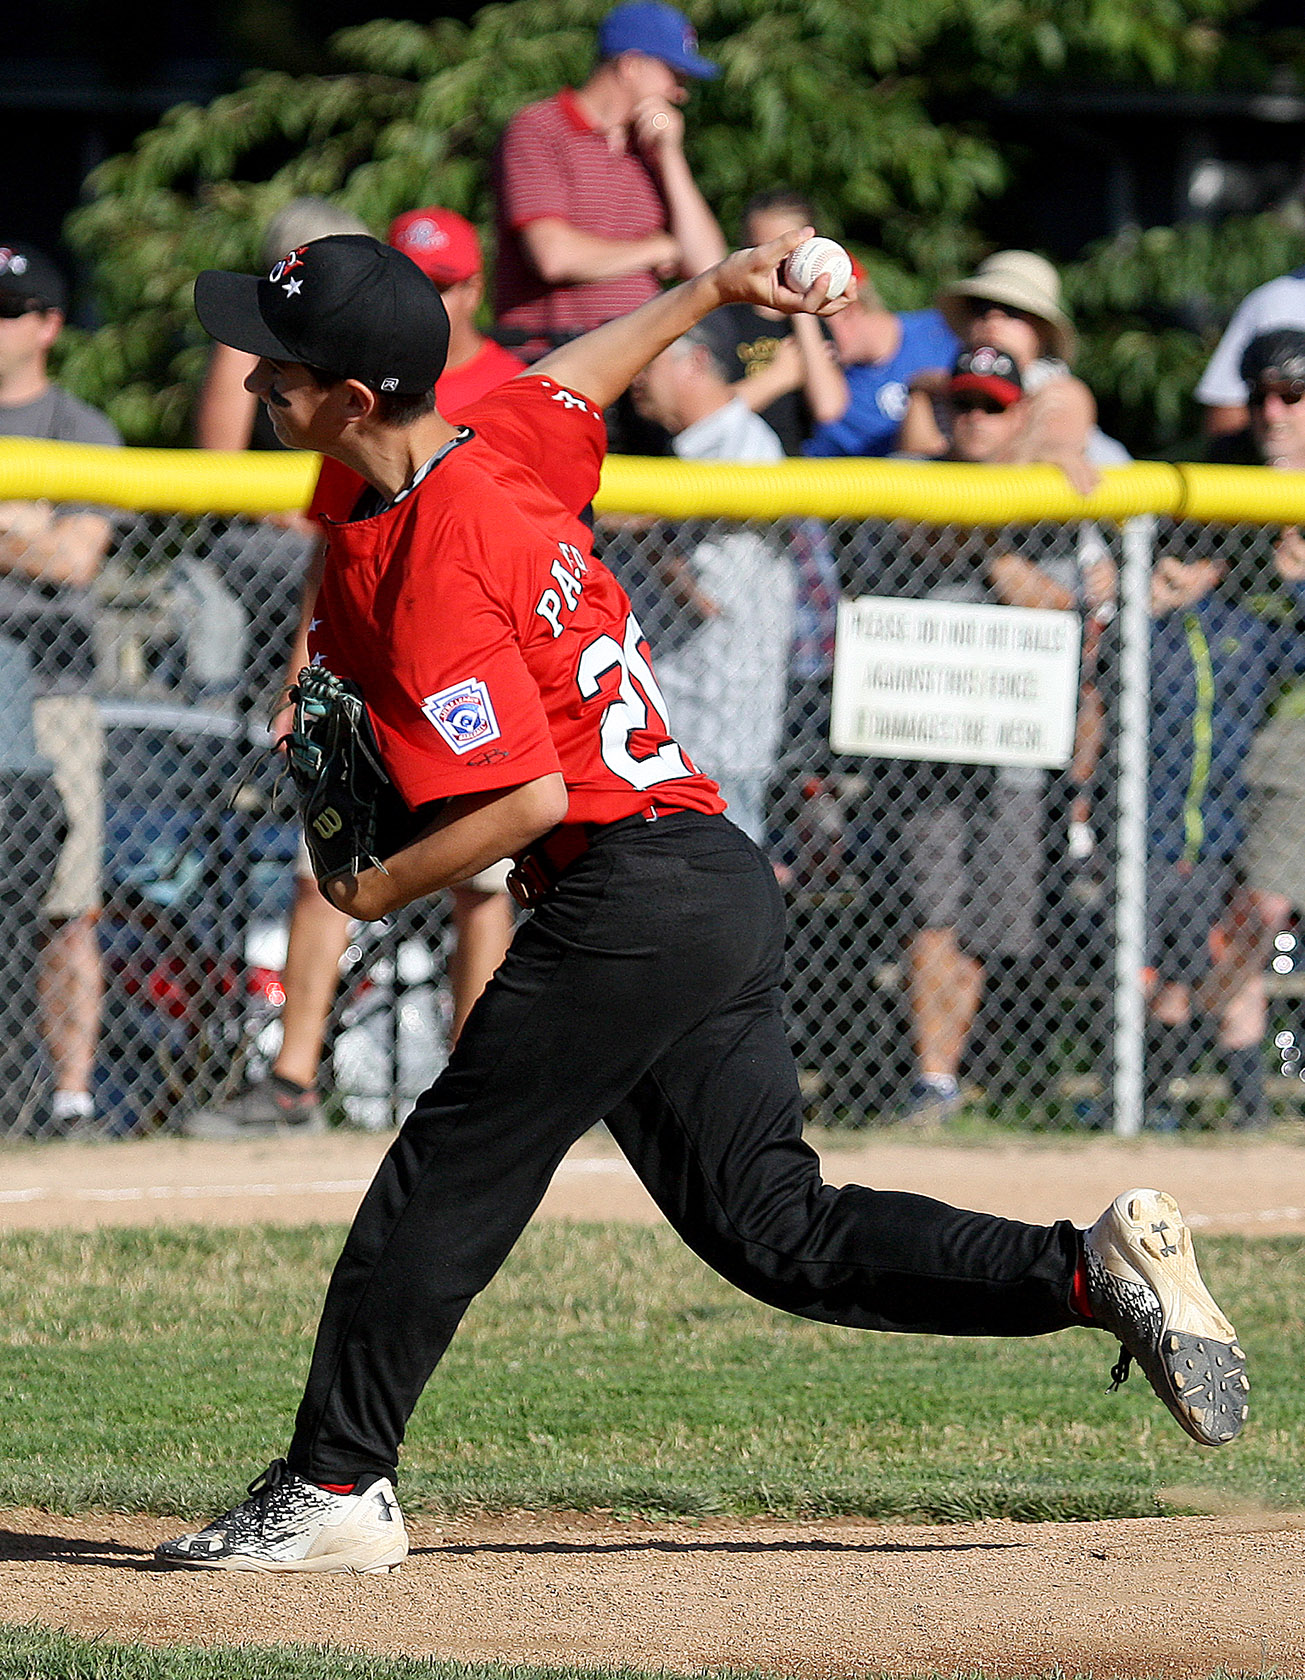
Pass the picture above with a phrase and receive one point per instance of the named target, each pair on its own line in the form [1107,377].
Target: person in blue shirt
[860,400]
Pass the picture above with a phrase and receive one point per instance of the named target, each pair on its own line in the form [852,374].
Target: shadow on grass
[564,1548]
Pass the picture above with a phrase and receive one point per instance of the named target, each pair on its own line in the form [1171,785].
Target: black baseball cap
[345,304]
[29,274]
[1275,358]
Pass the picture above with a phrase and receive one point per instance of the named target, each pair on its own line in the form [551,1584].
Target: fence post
[1130,854]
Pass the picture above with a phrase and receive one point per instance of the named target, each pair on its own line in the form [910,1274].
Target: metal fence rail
[1104,937]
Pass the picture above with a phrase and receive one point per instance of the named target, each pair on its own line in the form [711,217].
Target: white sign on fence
[961,683]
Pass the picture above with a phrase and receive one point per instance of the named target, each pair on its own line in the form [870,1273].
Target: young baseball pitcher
[510,696]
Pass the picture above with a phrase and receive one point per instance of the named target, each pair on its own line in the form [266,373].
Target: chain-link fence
[1041,822]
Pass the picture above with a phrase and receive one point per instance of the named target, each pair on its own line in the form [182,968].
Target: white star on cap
[292,286]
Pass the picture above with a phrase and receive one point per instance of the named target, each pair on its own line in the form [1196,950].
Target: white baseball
[815,257]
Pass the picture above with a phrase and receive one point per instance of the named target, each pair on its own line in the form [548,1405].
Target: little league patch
[463,715]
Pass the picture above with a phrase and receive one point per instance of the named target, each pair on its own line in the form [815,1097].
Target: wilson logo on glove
[353,814]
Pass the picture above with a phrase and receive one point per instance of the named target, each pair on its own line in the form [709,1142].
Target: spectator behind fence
[49,559]
[595,202]
[723,666]
[446,247]
[974,834]
[1213,666]
[1223,390]
[1271,867]
[859,401]
[32,833]
[757,347]
[1013,303]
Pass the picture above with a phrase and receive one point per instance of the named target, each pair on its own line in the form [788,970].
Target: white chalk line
[584,1167]
[311,1187]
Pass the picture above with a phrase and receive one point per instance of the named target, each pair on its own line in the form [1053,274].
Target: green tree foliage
[874,110]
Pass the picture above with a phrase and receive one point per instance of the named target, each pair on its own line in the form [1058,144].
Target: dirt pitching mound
[1167,1597]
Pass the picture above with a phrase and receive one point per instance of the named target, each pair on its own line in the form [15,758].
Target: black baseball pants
[643,990]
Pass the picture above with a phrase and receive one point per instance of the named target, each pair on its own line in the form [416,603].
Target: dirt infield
[1256,1186]
[1176,1597]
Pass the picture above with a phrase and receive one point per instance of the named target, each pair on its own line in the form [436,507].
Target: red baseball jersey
[492,647]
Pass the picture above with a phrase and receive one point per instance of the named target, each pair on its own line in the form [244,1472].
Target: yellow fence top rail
[196,481]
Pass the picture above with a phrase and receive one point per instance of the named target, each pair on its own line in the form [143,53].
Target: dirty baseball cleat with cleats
[1142,1285]
[291,1526]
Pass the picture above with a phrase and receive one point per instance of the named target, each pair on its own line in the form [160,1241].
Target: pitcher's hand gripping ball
[353,814]
[815,257]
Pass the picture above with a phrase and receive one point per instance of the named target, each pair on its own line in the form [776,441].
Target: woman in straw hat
[1012,303]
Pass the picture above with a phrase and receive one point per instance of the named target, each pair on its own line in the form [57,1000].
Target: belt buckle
[528,882]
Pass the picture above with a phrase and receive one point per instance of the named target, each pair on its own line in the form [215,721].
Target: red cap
[443,244]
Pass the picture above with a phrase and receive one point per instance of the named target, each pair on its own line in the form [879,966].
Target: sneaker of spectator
[273,1105]
[933,1099]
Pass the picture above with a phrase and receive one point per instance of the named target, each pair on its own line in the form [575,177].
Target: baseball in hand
[813,258]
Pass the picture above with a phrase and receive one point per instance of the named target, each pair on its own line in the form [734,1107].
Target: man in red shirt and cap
[512,697]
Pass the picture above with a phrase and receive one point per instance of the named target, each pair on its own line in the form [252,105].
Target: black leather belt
[540,867]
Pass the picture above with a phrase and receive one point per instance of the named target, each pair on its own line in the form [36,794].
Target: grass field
[32,1654]
[607,1369]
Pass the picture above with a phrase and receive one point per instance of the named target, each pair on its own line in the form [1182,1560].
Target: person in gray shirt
[49,558]
[724,672]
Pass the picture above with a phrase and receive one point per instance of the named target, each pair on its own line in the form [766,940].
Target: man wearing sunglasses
[1273,369]
[975,834]
[49,557]
[1270,864]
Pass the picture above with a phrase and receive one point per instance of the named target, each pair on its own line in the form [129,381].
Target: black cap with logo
[1276,357]
[345,304]
[28,275]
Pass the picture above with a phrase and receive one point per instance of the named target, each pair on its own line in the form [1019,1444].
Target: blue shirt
[877,390]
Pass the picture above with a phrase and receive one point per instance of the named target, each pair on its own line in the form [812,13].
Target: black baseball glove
[352,812]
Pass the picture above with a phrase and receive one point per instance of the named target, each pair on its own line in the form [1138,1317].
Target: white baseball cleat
[292,1526]
[1143,1286]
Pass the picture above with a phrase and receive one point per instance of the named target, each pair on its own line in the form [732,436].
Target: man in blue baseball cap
[596,203]
[648,26]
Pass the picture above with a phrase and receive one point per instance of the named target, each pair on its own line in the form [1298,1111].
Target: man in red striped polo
[596,203]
